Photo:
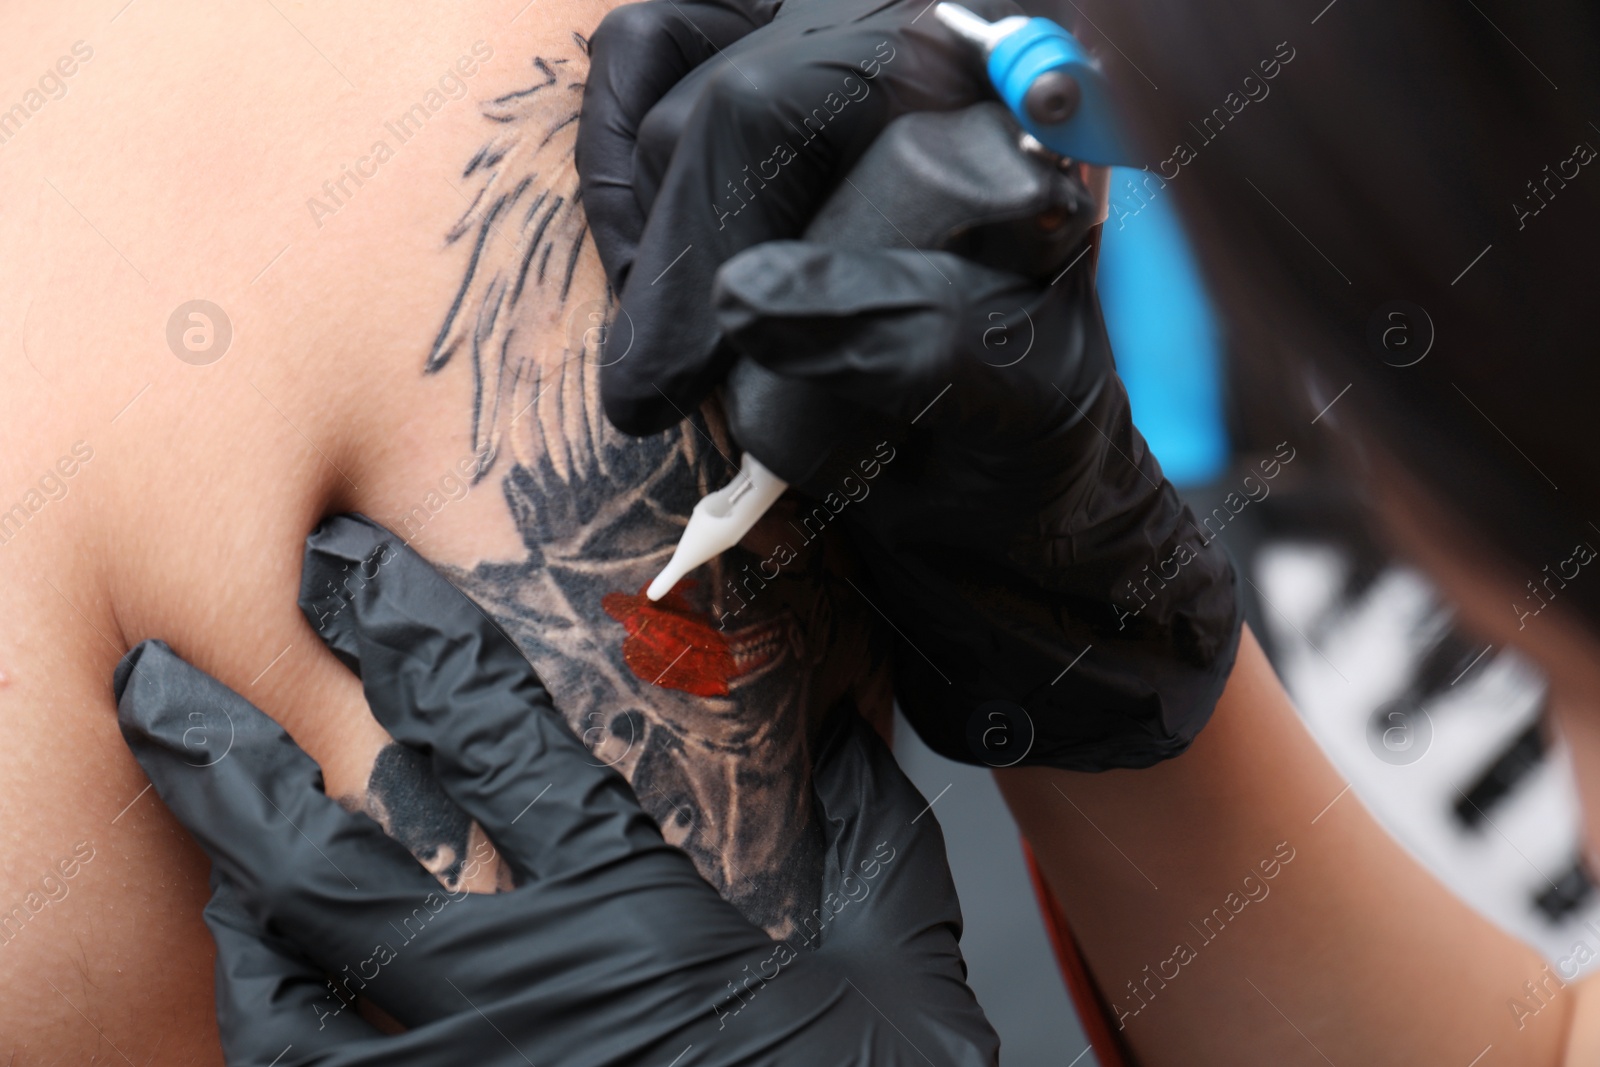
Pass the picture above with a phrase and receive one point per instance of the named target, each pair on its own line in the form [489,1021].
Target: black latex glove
[1054,600]
[710,127]
[612,950]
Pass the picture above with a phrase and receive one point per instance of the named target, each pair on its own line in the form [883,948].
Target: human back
[405,337]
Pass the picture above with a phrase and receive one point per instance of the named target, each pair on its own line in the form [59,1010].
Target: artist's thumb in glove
[927,337]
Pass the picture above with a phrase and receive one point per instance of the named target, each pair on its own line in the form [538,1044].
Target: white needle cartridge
[719,521]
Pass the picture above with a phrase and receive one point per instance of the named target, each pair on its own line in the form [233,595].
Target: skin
[181,162]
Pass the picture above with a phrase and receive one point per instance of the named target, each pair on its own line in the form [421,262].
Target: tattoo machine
[953,179]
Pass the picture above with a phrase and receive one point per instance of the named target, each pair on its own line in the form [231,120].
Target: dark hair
[1384,162]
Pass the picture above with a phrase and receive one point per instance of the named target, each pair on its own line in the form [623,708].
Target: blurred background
[1437,731]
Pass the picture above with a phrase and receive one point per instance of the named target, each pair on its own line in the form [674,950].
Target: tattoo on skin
[416,811]
[712,724]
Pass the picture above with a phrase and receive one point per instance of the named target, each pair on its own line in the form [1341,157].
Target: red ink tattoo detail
[670,643]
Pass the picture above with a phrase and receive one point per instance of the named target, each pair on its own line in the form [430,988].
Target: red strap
[1092,1011]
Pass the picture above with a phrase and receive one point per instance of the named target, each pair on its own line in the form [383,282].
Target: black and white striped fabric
[1437,732]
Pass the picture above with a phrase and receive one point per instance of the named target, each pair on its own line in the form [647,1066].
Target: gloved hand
[1055,602]
[1053,599]
[709,126]
[611,950]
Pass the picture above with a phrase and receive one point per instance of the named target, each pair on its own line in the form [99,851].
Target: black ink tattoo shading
[525,225]
[407,800]
[711,724]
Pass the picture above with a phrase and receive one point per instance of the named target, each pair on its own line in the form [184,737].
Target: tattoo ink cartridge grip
[1047,80]
[986,182]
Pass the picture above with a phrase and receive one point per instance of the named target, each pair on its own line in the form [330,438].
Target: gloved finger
[271,999]
[639,52]
[747,150]
[889,903]
[887,880]
[803,76]
[443,678]
[276,1008]
[924,337]
[328,878]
